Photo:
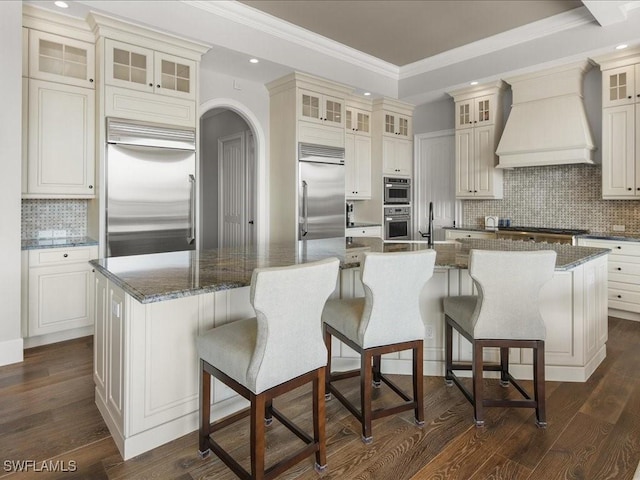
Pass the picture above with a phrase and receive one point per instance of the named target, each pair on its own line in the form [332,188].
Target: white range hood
[547,124]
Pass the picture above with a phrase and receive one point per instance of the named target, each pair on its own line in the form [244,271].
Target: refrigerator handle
[192,210]
[305,214]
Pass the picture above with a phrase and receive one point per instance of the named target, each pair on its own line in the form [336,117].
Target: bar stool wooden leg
[319,433]
[539,384]
[504,366]
[418,384]
[377,361]
[327,343]
[365,395]
[448,349]
[205,412]
[477,374]
[257,443]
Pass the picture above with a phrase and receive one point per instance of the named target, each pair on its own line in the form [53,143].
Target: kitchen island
[150,308]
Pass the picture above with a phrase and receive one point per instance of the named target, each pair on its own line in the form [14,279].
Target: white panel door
[464,159]
[435,182]
[231,190]
[618,151]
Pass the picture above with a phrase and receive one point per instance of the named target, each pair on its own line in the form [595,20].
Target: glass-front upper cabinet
[474,112]
[60,59]
[619,86]
[131,66]
[320,108]
[397,125]
[357,121]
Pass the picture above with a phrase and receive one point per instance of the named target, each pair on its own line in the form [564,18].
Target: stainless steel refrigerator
[321,197]
[150,188]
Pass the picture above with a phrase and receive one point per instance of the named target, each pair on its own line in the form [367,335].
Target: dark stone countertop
[65,242]
[163,276]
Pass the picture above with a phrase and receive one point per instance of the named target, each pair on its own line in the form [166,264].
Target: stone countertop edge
[619,236]
[65,242]
[363,225]
[166,283]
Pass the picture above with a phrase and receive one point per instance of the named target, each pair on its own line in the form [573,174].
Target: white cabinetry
[620,120]
[478,126]
[392,136]
[59,158]
[60,59]
[147,76]
[131,66]
[624,276]
[451,234]
[298,102]
[357,151]
[59,295]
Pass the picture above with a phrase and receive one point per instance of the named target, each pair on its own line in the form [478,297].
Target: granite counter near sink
[63,242]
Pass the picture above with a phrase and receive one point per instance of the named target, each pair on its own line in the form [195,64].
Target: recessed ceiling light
[473,83]
[622,47]
[60,4]
[254,60]
[366,94]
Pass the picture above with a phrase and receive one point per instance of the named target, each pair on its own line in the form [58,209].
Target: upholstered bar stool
[280,349]
[504,314]
[386,320]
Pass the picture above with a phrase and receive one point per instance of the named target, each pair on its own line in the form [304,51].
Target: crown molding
[250,17]
[542,28]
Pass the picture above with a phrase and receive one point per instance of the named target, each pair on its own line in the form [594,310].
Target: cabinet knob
[90,187]
[93,270]
[629,188]
[158,86]
[151,84]
[470,191]
[619,296]
[619,268]
[629,96]
[475,191]
[65,255]
[619,247]
[91,80]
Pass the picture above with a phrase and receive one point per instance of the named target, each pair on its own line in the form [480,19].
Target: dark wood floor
[47,413]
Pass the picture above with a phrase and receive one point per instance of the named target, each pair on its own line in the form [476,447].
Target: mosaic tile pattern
[563,196]
[44,215]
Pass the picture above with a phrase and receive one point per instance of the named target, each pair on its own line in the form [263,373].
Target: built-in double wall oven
[397,191]
[397,222]
[397,208]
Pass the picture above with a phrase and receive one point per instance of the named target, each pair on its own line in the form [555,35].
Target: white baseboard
[31,342]
[624,315]
[11,351]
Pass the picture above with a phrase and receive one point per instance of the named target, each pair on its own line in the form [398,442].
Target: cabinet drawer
[61,256]
[624,299]
[364,232]
[617,248]
[623,269]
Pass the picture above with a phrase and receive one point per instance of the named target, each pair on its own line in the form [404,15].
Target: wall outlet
[617,228]
[59,233]
[45,234]
[428,331]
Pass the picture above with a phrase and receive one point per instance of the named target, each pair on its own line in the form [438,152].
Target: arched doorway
[231,179]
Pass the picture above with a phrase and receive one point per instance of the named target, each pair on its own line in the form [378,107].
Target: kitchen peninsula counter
[150,308]
[165,276]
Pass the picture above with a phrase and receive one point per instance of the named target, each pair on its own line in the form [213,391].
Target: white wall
[10,155]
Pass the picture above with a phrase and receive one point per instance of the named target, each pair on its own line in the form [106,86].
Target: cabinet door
[389,156]
[397,125]
[618,152]
[61,140]
[310,106]
[128,66]
[618,86]
[464,114]
[174,76]
[115,332]
[350,167]
[484,160]
[333,111]
[60,298]
[484,110]
[357,122]
[464,163]
[61,59]
[362,157]
[404,157]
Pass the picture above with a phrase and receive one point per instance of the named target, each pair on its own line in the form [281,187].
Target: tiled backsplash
[564,196]
[54,215]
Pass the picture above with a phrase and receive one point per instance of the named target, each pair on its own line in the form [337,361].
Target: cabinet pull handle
[65,255]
